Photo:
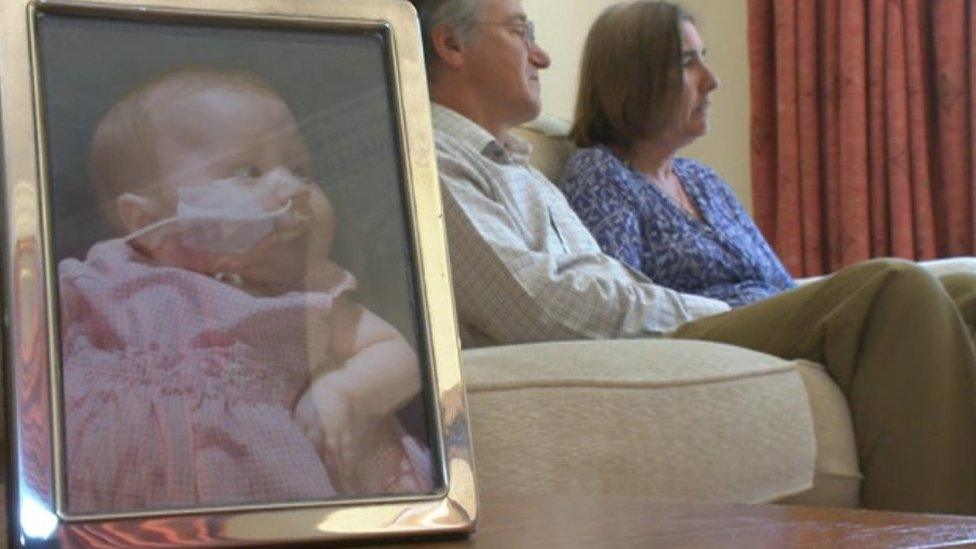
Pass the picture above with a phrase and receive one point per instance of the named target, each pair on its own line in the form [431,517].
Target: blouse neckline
[671,202]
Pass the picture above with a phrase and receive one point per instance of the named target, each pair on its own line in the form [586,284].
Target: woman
[643,95]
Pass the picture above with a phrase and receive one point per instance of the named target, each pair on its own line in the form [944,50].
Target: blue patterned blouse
[724,256]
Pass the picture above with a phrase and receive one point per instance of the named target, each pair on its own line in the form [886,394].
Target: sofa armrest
[948,265]
[938,267]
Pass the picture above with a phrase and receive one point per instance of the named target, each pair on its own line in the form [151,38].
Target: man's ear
[136,211]
[448,46]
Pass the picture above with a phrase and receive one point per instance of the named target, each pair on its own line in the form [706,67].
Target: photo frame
[228,313]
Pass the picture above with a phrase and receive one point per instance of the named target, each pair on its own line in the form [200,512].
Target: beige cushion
[550,147]
[949,265]
[667,419]
[937,267]
[837,478]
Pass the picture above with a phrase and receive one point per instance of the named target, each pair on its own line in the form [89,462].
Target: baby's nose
[284,185]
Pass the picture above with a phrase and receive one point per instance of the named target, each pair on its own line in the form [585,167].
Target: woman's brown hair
[630,75]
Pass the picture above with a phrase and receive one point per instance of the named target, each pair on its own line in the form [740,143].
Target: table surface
[536,520]
[559,520]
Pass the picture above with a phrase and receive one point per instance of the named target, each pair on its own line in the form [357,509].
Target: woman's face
[699,82]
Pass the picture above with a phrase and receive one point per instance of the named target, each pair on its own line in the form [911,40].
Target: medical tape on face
[197,216]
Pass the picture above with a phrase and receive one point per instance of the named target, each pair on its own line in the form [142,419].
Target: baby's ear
[135,211]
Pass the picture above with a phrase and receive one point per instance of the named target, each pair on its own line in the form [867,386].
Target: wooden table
[550,521]
[557,521]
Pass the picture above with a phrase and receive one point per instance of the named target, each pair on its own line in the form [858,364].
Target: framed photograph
[228,317]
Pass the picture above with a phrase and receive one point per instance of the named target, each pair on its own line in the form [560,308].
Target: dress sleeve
[512,293]
[81,324]
[597,191]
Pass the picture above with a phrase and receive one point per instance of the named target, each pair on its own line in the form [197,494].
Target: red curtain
[863,113]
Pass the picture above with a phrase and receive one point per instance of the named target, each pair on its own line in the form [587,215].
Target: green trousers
[899,343]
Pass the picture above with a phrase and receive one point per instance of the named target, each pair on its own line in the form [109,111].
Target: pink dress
[179,390]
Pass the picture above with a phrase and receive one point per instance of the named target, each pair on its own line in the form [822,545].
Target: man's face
[504,64]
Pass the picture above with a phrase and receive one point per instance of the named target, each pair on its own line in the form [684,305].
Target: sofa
[658,418]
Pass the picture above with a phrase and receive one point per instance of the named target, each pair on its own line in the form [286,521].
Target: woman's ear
[448,46]
[136,211]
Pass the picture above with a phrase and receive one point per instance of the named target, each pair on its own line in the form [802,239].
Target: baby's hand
[325,413]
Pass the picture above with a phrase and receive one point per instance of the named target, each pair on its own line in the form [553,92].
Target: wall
[561,30]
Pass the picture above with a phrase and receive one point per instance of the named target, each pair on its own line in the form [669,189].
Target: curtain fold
[862,121]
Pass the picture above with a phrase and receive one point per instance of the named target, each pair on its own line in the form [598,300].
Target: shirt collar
[509,147]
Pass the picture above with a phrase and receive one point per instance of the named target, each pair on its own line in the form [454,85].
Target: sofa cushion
[837,478]
[550,147]
[668,419]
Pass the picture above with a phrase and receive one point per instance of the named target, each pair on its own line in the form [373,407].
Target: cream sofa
[658,418]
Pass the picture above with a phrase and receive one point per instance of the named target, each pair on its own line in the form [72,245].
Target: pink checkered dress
[179,390]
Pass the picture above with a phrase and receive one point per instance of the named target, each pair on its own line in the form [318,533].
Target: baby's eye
[247,172]
[302,172]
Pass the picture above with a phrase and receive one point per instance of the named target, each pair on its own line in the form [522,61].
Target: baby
[212,356]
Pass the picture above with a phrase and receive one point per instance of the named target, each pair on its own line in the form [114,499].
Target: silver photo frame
[228,313]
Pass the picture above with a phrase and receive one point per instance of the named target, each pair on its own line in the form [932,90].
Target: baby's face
[250,139]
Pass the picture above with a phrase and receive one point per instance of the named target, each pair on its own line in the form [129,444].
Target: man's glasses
[525,31]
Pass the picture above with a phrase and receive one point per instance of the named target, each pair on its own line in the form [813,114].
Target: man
[525,269]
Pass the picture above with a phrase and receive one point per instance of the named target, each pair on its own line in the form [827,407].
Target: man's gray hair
[460,15]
